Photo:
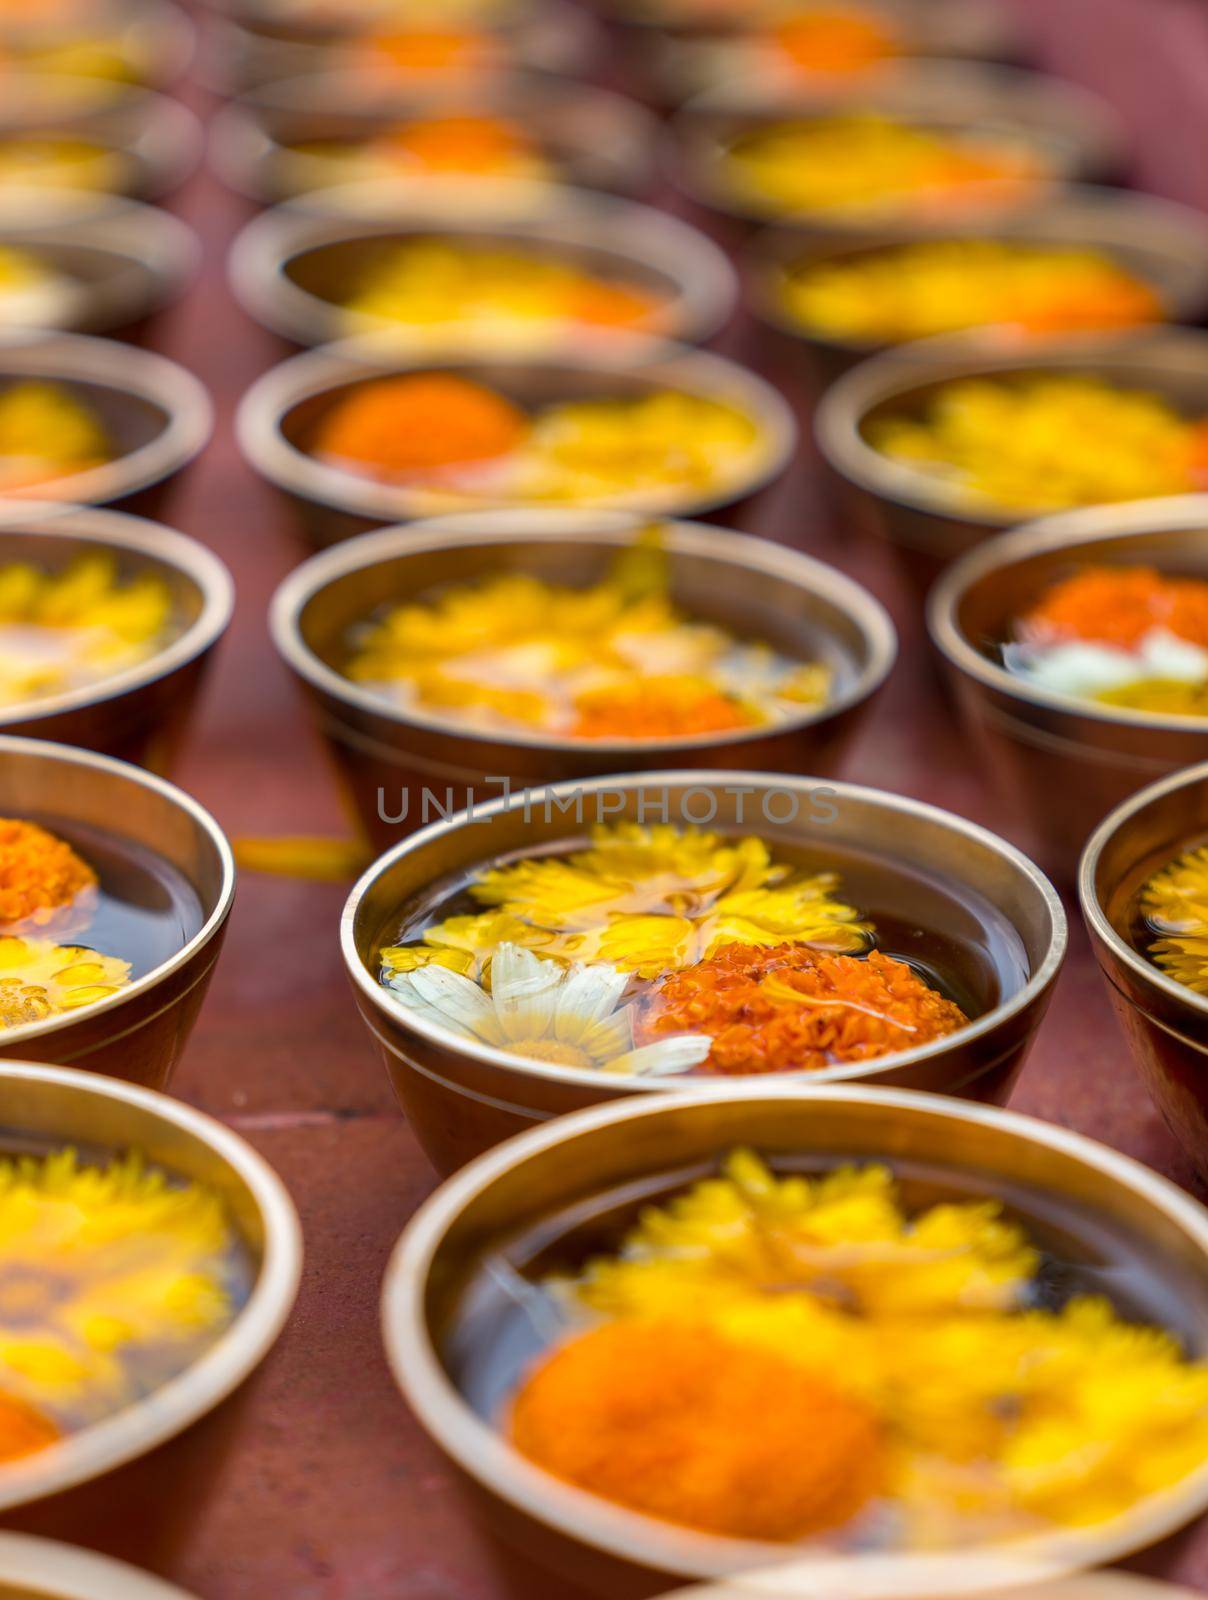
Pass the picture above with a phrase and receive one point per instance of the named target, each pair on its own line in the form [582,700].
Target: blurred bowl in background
[1159,243]
[137,1483]
[139,1032]
[294,269]
[86,133]
[1064,759]
[112,263]
[156,416]
[1165,1022]
[461,1096]
[280,412]
[756,590]
[144,42]
[930,522]
[141,713]
[1064,130]
[316,132]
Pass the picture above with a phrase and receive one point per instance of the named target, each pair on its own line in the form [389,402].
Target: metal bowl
[152,39]
[1073,132]
[281,408]
[588,135]
[461,1098]
[1166,1023]
[140,714]
[157,415]
[139,1033]
[929,523]
[1066,760]
[290,267]
[613,1156]
[43,1569]
[122,261]
[390,759]
[155,140]
[1163,244]
[250,47]
[138,1481]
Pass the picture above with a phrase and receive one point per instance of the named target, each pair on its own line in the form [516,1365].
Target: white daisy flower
[543,1011]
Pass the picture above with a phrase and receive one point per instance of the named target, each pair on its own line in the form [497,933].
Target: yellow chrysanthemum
[647,900]
[97,1263]
[40,979]
[1175,902]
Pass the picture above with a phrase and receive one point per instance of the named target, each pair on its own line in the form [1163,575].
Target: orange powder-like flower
[459,144]
[1119,606]
[654,708]
[611,305]
[415,425]
[428,49]
[674,1420]
[23,1431]
[39,874]
[789,1008]
[835,41]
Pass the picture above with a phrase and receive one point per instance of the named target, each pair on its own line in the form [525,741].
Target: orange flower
[39,874]
[413,426]
[428,49]
[23,1431]
[835,41]
[677,1421]
[460,144]
[790,1008]
[1119,606]
[657,708]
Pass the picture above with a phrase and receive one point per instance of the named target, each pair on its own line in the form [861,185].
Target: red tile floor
[332,1492]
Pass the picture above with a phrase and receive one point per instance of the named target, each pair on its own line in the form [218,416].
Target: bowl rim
[563,219]
[896,373]
[15,746]
[370,991]
[125,369]
[330,366]
[169,30]
[482,1453]
[53,1570]
[168,1410]
[1097,920]
[1068,530]
[774,248]
[116,530]
[552,526]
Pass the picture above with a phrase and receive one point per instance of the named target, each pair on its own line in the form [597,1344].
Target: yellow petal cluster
[41,979]
[645,899]
[47,432]
[1175,903]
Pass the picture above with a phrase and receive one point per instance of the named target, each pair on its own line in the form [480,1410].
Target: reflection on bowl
[43,1569]
[390,757]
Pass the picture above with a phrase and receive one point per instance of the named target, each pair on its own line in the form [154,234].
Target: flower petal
[524,992]
[461,1003]
[588,995]
[666,1057]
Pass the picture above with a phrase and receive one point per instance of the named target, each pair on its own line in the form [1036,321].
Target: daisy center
[554,1051]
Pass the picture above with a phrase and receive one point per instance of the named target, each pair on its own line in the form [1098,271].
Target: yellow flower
[1175,902]
[40,979]
[646,900]
[98,1262]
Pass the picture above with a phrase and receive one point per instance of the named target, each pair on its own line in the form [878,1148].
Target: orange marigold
[415,425]
[657,708]
[23,1431]
[788,1008]
[677,1421]
[39,874]
[1119,606]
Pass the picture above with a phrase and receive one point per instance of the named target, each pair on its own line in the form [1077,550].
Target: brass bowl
[929,523]
[1163,244]
[137,1482]
[122,261]
[139,1032]
[1166,1023]
[1073,132]
[155,140]
[282,407]
[248,47]
[461,1098]
[391,760]
[43,1569]
[290,268]
[611,1157]
[140,714]
[152,40]
[157,415]
[1066,760]
[590,136]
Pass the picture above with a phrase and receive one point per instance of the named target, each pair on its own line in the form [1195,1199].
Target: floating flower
[647,900]
[543,1011]
[47,432]
[40,979]
[1175,904]
[792,1009]
[23,1431]
[98,1264]
[40,875]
